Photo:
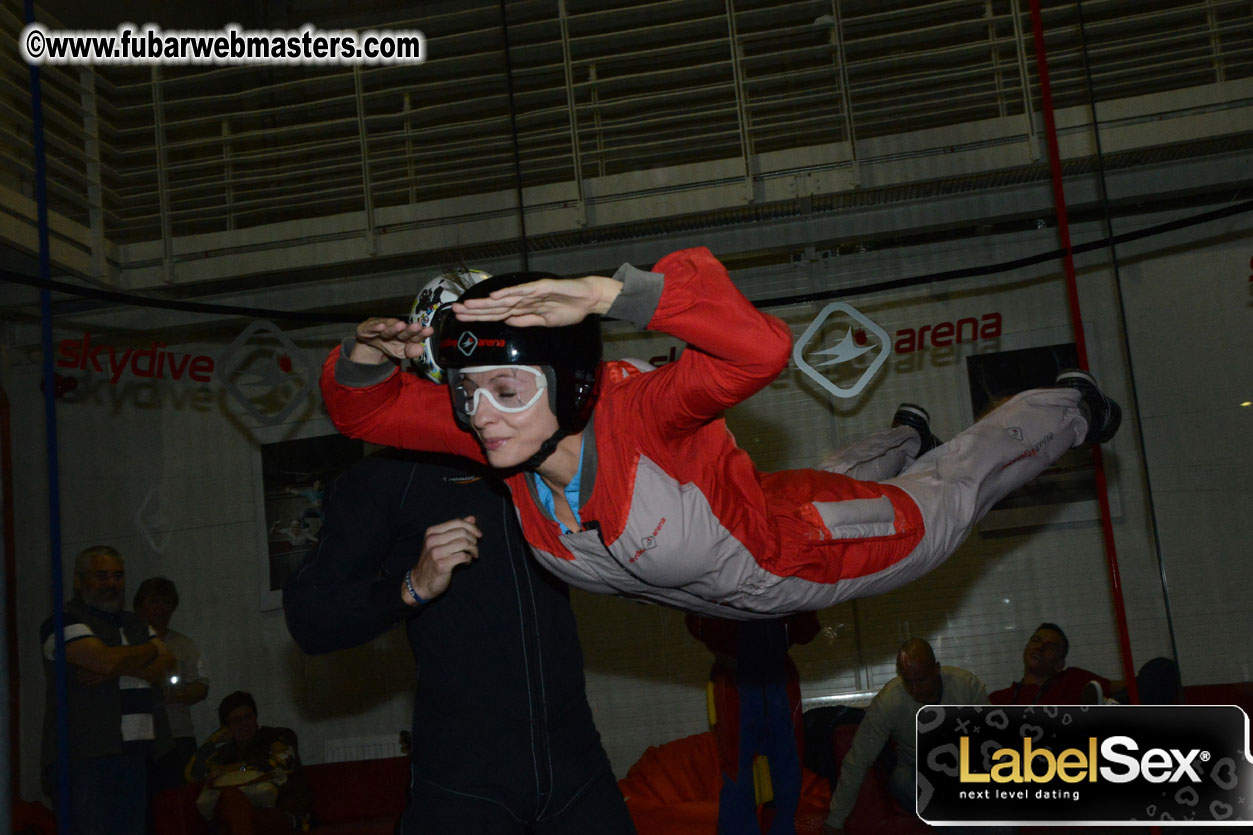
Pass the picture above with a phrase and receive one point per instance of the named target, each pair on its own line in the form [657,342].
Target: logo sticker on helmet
[854,344]
[467,343]
[439,292]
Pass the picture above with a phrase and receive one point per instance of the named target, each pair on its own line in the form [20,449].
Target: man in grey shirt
[920,680]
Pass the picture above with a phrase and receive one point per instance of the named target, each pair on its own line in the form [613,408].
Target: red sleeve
[733,349]
[402,411]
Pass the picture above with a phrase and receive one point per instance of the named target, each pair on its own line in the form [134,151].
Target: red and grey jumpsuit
[672,511]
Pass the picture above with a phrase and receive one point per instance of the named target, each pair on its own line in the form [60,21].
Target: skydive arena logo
[266,373]
[857,349]
[1103,765]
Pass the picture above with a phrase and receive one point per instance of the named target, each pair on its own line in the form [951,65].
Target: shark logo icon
[266,373]
[846,350]
[862,336]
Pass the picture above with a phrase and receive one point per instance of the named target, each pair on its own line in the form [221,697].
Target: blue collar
[545,494]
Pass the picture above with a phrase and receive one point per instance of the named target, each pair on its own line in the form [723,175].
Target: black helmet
[569,355]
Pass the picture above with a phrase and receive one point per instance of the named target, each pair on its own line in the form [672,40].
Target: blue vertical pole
[50,430]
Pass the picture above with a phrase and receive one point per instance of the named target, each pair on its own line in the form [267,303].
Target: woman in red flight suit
[627,481]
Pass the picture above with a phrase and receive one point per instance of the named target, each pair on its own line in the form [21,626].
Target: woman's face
[508,409]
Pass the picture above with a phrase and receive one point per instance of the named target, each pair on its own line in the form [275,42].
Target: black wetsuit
[503,738]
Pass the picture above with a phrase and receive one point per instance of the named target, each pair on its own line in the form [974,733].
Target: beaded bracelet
[412,591]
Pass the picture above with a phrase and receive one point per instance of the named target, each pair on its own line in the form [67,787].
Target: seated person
[1046,680]
[252,774]
[920,680]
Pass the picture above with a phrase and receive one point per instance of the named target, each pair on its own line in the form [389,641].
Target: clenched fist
[445,546]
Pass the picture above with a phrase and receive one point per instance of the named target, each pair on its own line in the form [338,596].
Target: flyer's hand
[382,337]
[544,303]
[445,546]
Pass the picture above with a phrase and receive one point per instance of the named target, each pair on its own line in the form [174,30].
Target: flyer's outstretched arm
[381,337]
[544,303]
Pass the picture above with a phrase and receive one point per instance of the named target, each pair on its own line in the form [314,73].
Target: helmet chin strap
[545,449]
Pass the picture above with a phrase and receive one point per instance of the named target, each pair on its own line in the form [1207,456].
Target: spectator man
[920,680]
[503,738]
[253,781]
[155,602]
[1046,680]
[113,662]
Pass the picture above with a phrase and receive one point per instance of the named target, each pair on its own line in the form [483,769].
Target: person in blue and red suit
[756,711]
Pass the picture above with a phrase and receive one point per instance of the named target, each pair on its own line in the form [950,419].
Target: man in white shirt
[920,680]
[155,602]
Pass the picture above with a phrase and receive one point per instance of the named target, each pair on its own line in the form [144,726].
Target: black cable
[314,317]
[1126,336]
[171,304]
[1005,266]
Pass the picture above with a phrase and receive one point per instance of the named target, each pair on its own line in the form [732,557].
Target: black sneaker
[1104,415]
[916,418]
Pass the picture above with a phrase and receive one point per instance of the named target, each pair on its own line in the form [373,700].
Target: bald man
[920,680]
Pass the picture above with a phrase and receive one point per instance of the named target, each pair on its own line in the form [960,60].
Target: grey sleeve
[641,291]
[359,374]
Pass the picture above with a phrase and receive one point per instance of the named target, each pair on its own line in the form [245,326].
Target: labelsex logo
[1108,764]
[1074,765]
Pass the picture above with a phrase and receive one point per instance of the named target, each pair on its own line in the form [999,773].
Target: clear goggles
[509,388]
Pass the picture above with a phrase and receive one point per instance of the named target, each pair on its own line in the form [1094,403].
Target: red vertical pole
[1081,346]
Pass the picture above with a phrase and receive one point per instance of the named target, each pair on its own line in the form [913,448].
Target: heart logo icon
[1229,778]
[1220,811]
[935,762]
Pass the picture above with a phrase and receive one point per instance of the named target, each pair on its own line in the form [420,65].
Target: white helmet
[443,289]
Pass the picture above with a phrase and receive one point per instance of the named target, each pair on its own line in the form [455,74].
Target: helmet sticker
[439,292]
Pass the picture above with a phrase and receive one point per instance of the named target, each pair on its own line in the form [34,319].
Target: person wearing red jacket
[646,495]
[1046,680]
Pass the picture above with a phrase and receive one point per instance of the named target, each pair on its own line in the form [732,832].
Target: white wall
[1190,313]
[195,461]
